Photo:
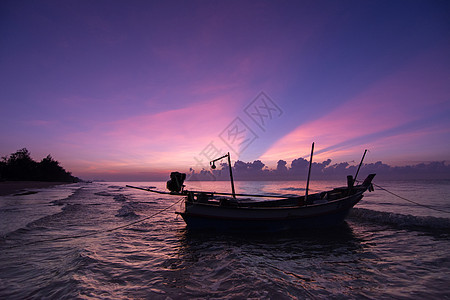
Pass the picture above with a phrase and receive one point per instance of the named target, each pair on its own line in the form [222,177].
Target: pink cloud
[157,141]
[418,91]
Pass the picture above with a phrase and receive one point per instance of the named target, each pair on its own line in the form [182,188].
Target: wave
[116,197]
[120,198]
[116,187]
[75,193]
[400,220]
[127,210]
[293,189]
[105,194]
[48,216]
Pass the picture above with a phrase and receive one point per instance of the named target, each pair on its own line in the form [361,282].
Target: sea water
[106,241]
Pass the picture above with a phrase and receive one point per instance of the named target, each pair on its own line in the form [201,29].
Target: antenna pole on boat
[309,172]
[362,159]
[213,166]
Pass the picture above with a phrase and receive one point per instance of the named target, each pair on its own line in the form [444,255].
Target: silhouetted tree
[20,166]
[50,170]
[3,168]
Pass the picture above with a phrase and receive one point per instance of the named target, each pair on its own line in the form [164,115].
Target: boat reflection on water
[272,266]
[317,241]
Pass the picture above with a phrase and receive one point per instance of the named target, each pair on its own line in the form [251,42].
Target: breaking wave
[120,198]
[400,220]
[103,193]
[127,210]
[293,189]
[117,187]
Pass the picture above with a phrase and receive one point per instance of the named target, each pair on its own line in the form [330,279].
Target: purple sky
[113,88]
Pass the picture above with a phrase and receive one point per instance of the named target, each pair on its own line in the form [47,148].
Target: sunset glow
[120,90]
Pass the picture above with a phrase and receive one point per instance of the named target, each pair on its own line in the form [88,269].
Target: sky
[131,90]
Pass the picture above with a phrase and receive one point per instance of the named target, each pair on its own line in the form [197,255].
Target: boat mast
[362,159]
[309,172]
[231,176]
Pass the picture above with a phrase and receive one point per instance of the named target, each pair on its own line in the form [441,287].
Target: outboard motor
[175,184]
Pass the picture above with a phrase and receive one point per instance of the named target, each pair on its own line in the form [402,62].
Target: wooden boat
[320,210]
[231,211]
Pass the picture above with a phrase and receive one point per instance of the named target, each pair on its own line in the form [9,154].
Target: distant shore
[14,187]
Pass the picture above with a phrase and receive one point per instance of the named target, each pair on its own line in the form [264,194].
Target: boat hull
[315,216]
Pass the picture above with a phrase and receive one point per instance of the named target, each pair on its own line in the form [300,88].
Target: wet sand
[17,187]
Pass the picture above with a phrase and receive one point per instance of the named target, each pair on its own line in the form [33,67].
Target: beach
[13,187]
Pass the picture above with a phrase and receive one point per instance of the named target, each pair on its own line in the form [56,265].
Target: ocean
[105,241]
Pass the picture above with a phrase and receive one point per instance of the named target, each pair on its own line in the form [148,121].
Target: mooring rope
[423,205]
[71,237]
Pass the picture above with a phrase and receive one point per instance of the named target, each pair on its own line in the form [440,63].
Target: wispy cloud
[393,107]
[154,141]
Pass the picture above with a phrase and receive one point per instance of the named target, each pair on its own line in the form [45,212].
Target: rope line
[423,205]
[72,237]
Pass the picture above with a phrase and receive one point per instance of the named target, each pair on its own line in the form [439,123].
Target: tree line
[19,166]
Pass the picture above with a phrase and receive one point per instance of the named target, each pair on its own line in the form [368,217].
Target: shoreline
[14,187]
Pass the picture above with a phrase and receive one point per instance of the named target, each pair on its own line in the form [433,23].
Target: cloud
[324,171]
[151,141]
[404,105]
